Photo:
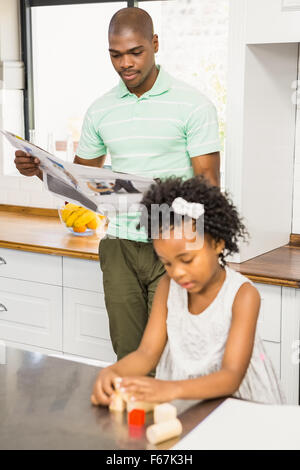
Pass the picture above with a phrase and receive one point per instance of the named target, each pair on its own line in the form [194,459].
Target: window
[196,33]
[68,70]
[71,68]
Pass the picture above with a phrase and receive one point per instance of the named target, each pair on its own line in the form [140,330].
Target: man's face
[132,56]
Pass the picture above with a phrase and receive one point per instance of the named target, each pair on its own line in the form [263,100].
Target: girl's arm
[238,351]
[146,357]
[235,362]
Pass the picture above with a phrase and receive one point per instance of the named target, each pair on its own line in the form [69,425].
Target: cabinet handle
[3,308]
[2,261]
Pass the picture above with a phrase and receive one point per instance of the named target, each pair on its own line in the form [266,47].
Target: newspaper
[98,189]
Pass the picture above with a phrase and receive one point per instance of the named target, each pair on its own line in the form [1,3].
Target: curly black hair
[221,219]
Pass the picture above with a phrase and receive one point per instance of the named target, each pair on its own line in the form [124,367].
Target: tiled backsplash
[23,191]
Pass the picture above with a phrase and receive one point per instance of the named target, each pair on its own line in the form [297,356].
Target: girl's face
[193,269]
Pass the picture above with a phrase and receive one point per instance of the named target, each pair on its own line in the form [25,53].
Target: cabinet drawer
[86,329]
[31,313]
[82,274]
[269,320]
[273,351]
[35,267]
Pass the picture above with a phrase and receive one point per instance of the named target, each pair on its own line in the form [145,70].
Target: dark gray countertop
[45,404]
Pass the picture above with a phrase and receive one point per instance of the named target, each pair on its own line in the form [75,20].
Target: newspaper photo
[97,189]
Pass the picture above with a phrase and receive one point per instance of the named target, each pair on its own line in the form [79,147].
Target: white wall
[268,153]
[296,201]
[261,129]
[267,22]
[9,33]
[17,190]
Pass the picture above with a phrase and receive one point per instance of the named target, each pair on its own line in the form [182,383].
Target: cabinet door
[31,313]
[269,321]
[35,267]
[290,344]
[82,274]
[86,329]
[273,351]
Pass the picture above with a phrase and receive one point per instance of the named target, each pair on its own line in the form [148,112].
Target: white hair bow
[183,207]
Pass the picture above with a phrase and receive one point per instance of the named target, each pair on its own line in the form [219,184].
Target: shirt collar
[162,84]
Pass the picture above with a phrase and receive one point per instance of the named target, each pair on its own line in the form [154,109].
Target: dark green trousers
[131,271]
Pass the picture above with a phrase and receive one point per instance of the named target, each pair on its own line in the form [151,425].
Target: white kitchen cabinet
[279,327]
[86,329]
[272,21]
[290,335]
[273,350]
[56,305]
[35,267]
[31,313]
[82,274]
[269,321]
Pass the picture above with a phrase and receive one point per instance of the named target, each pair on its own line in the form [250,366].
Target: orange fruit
[80,229]
[93,224]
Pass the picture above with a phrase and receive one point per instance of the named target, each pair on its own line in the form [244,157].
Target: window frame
[26,48]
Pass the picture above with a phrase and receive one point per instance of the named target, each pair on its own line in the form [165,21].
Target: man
[152,125]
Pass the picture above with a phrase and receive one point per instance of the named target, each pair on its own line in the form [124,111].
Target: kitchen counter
[40,233]
[279,267]
[45,404]
[44,234]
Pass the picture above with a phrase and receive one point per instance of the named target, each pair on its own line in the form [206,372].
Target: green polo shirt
[155,135]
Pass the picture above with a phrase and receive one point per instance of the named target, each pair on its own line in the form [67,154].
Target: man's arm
[98,162]
[29,166]
[208,166]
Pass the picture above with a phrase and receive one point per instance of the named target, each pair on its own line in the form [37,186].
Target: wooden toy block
[117,383]
[164,412]
[117,403]
[136,417]
[160,432]
[140,405]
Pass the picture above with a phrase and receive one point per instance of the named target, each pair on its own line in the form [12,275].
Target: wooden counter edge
[49,250]
[295,240]
[271,280]
[95,257]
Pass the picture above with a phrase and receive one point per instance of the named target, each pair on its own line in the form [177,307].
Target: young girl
[201,335]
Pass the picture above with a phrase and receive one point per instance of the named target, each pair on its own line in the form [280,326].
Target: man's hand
[103,388]
[149,389]
[27,165]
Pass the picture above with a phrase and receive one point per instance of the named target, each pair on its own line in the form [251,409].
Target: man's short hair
[132,19]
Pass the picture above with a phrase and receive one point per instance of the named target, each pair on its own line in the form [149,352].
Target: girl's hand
[103,387]
[149,389]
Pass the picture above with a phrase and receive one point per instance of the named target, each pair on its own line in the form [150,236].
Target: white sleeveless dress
[196,343]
